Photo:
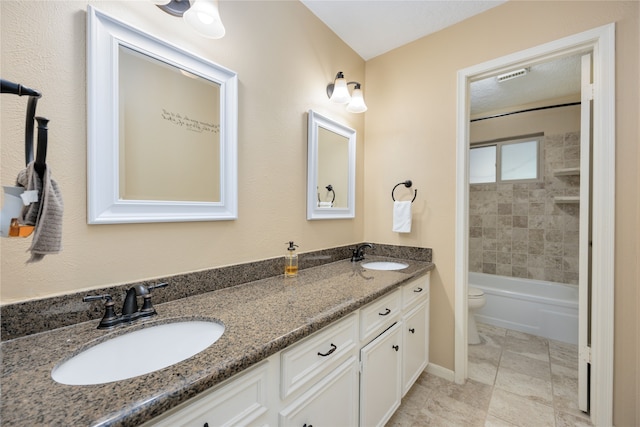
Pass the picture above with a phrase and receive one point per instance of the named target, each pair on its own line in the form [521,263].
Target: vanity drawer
[243,400]
[315,356]
[416,290]
[379,315]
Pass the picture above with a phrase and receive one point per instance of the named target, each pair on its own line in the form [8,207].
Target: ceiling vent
[512,75]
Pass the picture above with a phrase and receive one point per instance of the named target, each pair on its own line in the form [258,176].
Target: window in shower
[514,160]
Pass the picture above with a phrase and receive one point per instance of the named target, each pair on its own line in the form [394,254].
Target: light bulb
[340,93]
[204,17]
[357,104]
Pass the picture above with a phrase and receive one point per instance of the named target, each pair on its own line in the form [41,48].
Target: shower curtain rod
[525,111]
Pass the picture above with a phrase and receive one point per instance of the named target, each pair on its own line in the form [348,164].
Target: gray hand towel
[45,214]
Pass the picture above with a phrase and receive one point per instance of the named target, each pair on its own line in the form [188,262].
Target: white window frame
[509,141]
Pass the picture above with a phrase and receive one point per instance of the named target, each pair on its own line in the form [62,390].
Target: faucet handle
[147,308]
[88,298]
[159,285]
[109,319]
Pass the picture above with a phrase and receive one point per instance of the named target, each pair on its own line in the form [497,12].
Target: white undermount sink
[385,265]
[138,352]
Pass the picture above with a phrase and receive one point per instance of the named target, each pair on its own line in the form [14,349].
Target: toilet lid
[475,292]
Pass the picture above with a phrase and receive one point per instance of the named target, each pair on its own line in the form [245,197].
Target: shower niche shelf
[567,172]
[567,199]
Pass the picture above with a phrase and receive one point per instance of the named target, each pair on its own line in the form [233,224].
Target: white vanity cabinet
[380,379]
[415,330]
[415,354]
[314,357]
[393,361]
[241,400]
[333,401]
[319,378]
[352,372]
[379,315]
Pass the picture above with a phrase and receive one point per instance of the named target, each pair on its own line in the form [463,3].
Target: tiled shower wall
[519,230]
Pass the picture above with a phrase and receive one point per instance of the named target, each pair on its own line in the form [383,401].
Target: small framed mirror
[162,129]
[331,170]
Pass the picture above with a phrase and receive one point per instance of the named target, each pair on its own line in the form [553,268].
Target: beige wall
[283,71]
[411,132]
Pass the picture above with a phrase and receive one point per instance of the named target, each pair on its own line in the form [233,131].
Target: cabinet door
[380,380]
[331,402]
[415,337]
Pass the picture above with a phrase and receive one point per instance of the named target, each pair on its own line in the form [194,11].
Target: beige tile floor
[515,379]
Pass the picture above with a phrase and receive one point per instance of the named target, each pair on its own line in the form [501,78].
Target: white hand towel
[402,217]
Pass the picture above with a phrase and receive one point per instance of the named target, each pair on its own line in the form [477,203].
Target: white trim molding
[601,42]
[439,371]
[106,35]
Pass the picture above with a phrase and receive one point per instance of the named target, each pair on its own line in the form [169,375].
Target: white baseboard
[439,371]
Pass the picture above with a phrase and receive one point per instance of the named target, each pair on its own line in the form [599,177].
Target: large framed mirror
[162,129]
[331,169]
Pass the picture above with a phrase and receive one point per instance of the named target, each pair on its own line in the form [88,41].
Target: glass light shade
[357,104]
[340,93]
[204,17]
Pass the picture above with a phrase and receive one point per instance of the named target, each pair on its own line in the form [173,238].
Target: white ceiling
[548,81]
[373,27]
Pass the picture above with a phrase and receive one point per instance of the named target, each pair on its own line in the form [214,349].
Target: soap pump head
[292,247]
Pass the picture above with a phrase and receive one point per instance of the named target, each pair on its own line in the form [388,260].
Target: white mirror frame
[105,35]
[313,212]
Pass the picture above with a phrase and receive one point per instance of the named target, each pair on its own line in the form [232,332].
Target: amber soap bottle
[291,261]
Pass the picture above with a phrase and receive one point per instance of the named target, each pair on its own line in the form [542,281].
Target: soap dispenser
[291,261]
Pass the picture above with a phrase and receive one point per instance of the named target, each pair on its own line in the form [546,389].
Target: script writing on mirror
[188,123]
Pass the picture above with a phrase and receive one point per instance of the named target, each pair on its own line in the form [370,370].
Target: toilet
[476,301]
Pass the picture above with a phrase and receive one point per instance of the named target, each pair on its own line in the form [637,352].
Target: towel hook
[407,184]
[20,90]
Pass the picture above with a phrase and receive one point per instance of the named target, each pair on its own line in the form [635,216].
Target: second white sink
[138,352]
[385,265]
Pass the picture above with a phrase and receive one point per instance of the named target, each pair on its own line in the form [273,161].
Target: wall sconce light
[202,15]
[338,92]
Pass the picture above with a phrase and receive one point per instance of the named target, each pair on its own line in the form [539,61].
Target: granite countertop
[260,318]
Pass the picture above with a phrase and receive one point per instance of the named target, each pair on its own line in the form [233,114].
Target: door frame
[601,42]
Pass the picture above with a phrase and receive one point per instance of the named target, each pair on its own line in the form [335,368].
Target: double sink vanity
[337,345]
[341,335]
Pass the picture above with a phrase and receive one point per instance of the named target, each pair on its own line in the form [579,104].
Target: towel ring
[329,188]
[407,184]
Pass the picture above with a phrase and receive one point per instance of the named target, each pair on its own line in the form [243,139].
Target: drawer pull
[206,425]
[418,290]
[385,313]
[333,348]
[395,347]
[307,425]
[412,330]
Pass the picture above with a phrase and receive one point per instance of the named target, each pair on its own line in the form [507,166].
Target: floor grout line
[464,405]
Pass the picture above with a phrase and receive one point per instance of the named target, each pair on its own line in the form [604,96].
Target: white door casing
[601,43]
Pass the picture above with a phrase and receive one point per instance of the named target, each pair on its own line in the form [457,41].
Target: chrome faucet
[130,311]
[358,252]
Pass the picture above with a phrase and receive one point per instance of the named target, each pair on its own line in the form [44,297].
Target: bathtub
[536,307]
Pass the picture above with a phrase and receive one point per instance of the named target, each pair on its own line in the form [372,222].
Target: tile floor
[515,379]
